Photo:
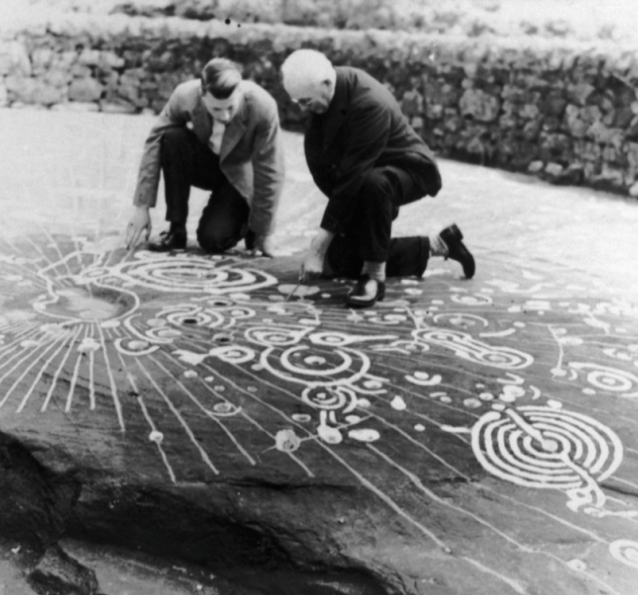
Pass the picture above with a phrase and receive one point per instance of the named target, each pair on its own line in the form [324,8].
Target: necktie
[217,136]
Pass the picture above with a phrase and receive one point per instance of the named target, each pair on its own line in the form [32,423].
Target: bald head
[309,78]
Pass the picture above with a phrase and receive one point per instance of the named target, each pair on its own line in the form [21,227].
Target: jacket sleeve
[148,176]
[268,173]
[367,136]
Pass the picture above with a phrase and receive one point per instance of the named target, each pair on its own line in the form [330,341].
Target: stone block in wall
[551,124]
[523,154]
[529,111]
[64,60]
[553,104]
[514,94]
[33,91]
[129,87]
[110,81]
[554,147]
[76,106]
[14,59]
[433,112]
[89,57]
[608,119]
[591,170]
[110,60]
[631,133]
[532,129]
[85,90]
[412,103]
[604,100]
[80,71]
[521,110]
[610,177]
[452,122]
[417,123]
[575,126]
[5,61]
[479,105]
[622,90]
[631,150]
[553,170]
[41,59]
[613,155]
[622,117]
[579,93]
[451,94]
[556,173]
[57,78]
[604,135]
[507,121]
[587,150]
[578,120]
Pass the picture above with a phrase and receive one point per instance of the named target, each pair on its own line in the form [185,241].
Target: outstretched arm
[268,177]
[139,225]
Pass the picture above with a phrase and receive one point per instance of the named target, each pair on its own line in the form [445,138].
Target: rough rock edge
[43,506]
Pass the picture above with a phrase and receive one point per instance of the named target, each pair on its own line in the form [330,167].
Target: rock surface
[59,573]
[462,436]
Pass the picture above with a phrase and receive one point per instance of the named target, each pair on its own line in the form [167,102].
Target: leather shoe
[169,240]
[452,237]
[366,293]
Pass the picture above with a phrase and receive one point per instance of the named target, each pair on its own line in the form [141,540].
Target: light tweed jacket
[251,155]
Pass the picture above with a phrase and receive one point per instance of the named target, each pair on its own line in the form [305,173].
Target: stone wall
[564,111]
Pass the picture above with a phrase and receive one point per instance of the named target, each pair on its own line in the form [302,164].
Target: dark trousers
[367,235]
[186,162]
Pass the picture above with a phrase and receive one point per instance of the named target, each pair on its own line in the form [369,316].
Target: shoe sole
[368,304]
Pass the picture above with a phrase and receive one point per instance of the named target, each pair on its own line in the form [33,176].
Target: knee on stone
[212,241]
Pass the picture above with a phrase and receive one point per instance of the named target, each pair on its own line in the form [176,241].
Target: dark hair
[220,78]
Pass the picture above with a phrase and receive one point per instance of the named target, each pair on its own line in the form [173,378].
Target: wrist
[321,242]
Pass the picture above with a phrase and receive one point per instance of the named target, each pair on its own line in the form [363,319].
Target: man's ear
[326,84]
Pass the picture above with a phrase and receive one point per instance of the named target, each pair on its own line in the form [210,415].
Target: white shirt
[217,136]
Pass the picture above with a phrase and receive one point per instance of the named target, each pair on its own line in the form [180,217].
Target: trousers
[367,234]
[186,162]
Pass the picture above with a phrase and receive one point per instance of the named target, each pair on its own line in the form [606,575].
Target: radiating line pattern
[202,351]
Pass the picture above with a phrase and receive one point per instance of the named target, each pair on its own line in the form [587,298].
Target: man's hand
[264,244]
[140,223]
[312,265]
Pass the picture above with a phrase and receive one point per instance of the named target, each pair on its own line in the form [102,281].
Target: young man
[368,161]
[219,133]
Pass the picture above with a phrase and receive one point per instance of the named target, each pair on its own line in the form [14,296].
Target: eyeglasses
[303,102]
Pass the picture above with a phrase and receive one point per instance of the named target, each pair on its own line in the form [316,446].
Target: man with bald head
[368,161]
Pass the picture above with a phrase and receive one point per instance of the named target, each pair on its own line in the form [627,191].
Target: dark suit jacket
[363,128]
[251,154]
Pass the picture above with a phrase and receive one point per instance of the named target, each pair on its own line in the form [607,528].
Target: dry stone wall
[567,112]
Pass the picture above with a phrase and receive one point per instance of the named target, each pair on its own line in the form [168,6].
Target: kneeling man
[218,133]
[368,161]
